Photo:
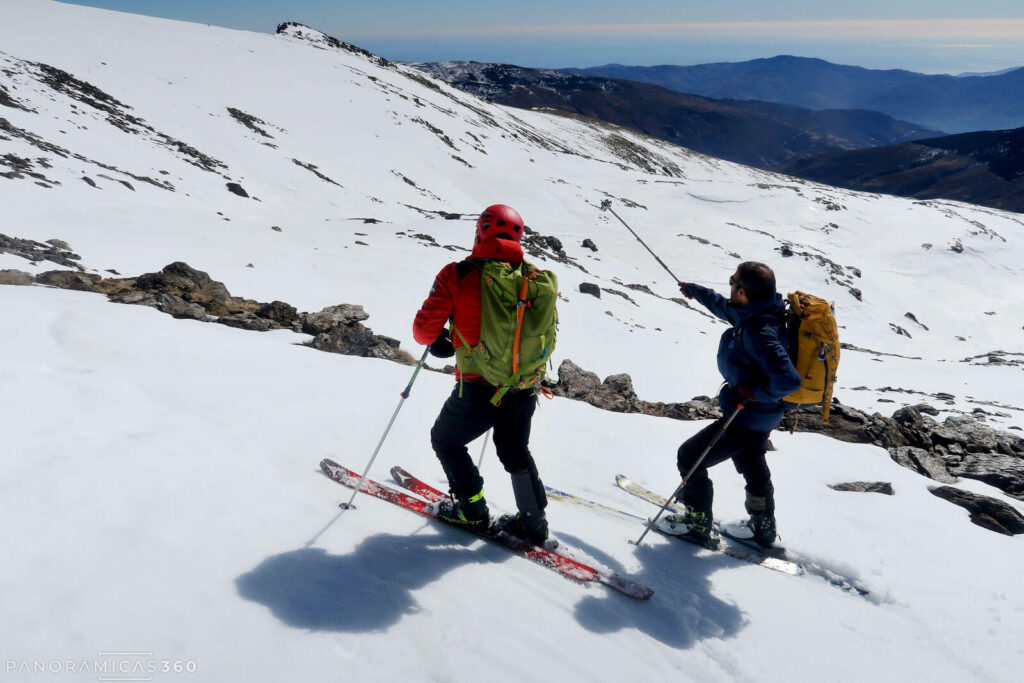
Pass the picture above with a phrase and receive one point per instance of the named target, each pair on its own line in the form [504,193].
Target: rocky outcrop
[865,487]
[184,292]
[616,394]
[55,251]
[961,446]
[986,512]
[16,277]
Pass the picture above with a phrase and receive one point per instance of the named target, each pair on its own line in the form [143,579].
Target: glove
[442,346]
[684,287]
[745,390]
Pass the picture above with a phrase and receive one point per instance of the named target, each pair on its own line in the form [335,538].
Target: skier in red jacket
[468,412]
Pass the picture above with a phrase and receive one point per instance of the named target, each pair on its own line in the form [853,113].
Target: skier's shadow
[367,589]
[683,610]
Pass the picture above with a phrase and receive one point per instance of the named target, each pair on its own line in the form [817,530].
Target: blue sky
[930,36]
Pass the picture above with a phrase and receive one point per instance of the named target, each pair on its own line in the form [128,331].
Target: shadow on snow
[371,588]
[368,589]
[683,610]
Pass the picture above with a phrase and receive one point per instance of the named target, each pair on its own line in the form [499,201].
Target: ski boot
[470,511]
[530,524]
[530,527]
[691,524]
[760,529]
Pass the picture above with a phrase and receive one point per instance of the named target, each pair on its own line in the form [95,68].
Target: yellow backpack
[814,350]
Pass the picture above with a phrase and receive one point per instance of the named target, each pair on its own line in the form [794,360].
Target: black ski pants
[745,447]
[463,419]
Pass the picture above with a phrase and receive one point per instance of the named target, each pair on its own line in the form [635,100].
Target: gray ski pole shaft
[405,395]
[606,205]
[693,469]
[482,449]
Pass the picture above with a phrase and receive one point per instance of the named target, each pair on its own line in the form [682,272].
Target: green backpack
[518,321]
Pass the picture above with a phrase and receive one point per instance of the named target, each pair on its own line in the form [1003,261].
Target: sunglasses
[734,281]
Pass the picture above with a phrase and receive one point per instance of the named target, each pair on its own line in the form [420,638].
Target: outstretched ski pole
[690,473]
[606,205]
[405,395]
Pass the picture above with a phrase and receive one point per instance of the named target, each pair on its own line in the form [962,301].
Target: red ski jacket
[458,299]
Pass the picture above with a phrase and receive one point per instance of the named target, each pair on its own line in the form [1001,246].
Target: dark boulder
[986,512]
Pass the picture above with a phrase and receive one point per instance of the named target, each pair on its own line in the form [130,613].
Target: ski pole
[693,469]
[606,205]
[405,395]
[482,449]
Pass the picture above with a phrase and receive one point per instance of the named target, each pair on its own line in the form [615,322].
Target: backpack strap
[466,266]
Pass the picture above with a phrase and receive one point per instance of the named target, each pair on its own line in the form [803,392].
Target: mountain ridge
[760,134]
[940,102]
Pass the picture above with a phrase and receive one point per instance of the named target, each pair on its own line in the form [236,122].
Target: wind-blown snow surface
[161,493]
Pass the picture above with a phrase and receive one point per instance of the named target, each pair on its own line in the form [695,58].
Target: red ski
[565,566]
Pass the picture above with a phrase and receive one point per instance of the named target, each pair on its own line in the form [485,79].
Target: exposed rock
[331,317]
[1005,472]
[985,512]
[176,306]
[195,286]
[69,279]
[247,321]
[697,408]
[575,382]
[922,462]
[16,277]
[617,395]
[351,340]
[590,288]
[279,312]
[235,188]
[53,250]
[589,244]
[865,487]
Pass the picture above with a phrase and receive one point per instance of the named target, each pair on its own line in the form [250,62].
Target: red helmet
[499,221]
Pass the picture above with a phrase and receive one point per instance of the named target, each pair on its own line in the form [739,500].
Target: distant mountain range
[948,103]
[851,148]
[761,134]
[984,168]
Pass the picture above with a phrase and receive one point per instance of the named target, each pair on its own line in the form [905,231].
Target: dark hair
[758,279]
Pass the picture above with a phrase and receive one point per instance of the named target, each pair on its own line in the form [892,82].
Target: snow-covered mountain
[161,493]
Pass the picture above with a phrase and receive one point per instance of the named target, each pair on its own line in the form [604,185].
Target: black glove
[684,287]
[442,346]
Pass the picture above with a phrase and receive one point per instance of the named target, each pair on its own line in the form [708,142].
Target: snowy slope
[389,138]
[164,495]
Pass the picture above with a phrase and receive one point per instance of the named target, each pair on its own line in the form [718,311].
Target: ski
[565,566]
[724,548]
[747,551]
[615,581]
[556,494]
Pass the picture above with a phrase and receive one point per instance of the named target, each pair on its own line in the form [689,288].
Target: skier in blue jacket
[758,372]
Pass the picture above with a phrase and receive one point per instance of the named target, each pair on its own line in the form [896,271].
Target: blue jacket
[754,353]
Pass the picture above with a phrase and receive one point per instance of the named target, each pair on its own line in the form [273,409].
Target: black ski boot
[470,511]
[760,527]
[691,524]
[530,524]
[531,527]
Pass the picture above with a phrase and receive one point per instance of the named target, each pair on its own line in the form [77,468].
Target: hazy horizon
[940,36]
